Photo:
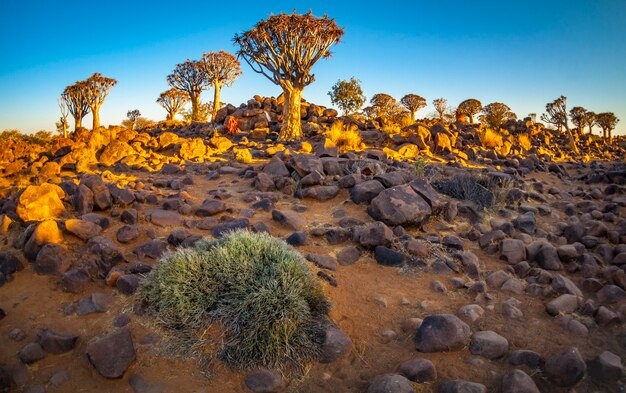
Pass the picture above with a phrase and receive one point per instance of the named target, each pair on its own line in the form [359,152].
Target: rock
[566,368]
[513,251]
[471,312]
[122,196]
[127,233]
[497,279]
[165,218]
[348,255]
[323,261]
[418,370]
[140,385]
[564,304]
[5,380]
[489,344]
[548,258]
[111,355]
[127,284]
[152,249]
[390,383]
[527,358]
[289,219]
[42,202]
[93,303]
[336,345]
[129,216]
[428,193]
[74,280]
[31,353]
[52,259]
[296,239]
[9,264]
[388,257]
[607,367]
[35,389]
[82,229]
[375,234]
[276,167]
[366,191]
[525,222]
[453,242]
[399,205]
[610,294]
[210,207]
[517,381]
[56,343]
[320,193]
[83,200]
[221,230]
[459,386]
[45,232]
[263,380]
[441,332]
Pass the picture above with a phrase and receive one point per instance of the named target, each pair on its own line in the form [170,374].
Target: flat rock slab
[112,354]
[165,218]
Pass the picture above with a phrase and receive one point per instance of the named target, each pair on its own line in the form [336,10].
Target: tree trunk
[95,111]
[292,124]
[216,101]
[195,108]
[169,116]
[64,125]
[572,140]
[590,129]
[413,115]
[78,122]
[610,136]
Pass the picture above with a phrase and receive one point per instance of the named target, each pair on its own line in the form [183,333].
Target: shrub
[483,190]
[490,138]
[345,136]
[258,289]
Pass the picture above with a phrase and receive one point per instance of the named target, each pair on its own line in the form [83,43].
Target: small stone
[418,370]
[566,368]
[348,256]
[441,332]
[17,334]
[111,355]
[489,344]
[471,312]
[263,380]
[390,383]
[564,304]
[31,353]
[607,367]
[459,386]
[517,381]
[56,343]
[336,345]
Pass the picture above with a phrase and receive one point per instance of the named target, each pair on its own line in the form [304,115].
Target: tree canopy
[607,121]
[190,77]
[347,95]
[496,114]
[470,108]
[284,49]
[173,101]
[413,103]
[96,89]
[440,105]
[222,69]
[76,101]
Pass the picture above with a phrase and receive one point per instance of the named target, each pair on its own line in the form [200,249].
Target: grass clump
[485,191]
[490,138]
[345,136]
[257,288]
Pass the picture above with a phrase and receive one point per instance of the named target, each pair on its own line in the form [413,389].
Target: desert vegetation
[280,245]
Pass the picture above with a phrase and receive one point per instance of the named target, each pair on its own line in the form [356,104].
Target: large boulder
[365,191]
[111,355]
[115,151]
[42,202]
[566,368]
[399,205]
[441,332]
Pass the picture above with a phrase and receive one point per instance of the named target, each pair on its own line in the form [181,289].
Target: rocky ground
[430,292]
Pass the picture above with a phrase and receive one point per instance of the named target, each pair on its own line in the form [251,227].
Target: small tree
[284,49]
[470,108]
[607,121]
[76,101]
[496,114]
[387,108]
[413,103]
[173,101]
[591,121]
[579,117]
[533,117]
[347,95]
[440,105]
[556,114]
[62,124]
[97,87]
[190,77]
[222,68]
[133,116]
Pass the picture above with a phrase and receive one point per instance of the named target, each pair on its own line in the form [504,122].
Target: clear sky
[522,53]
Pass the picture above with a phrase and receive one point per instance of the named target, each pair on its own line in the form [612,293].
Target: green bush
[272,309]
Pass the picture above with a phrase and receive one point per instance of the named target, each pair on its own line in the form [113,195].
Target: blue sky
[524,54]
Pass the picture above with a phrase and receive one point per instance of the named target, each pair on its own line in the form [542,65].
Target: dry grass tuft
[345,136]
[490,138]
[524,141]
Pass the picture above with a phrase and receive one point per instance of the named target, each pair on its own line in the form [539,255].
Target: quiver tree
[76,101]
[222,68]
[496,114]
[607,121]
[284,49]
[190,77]
[347,95]
[581,118]
[97,87]
[556,114]
[133,116]
[386,107]
[62,124]
[440,105]
[591,120]
[173,101]
[470,108]
[413,103]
